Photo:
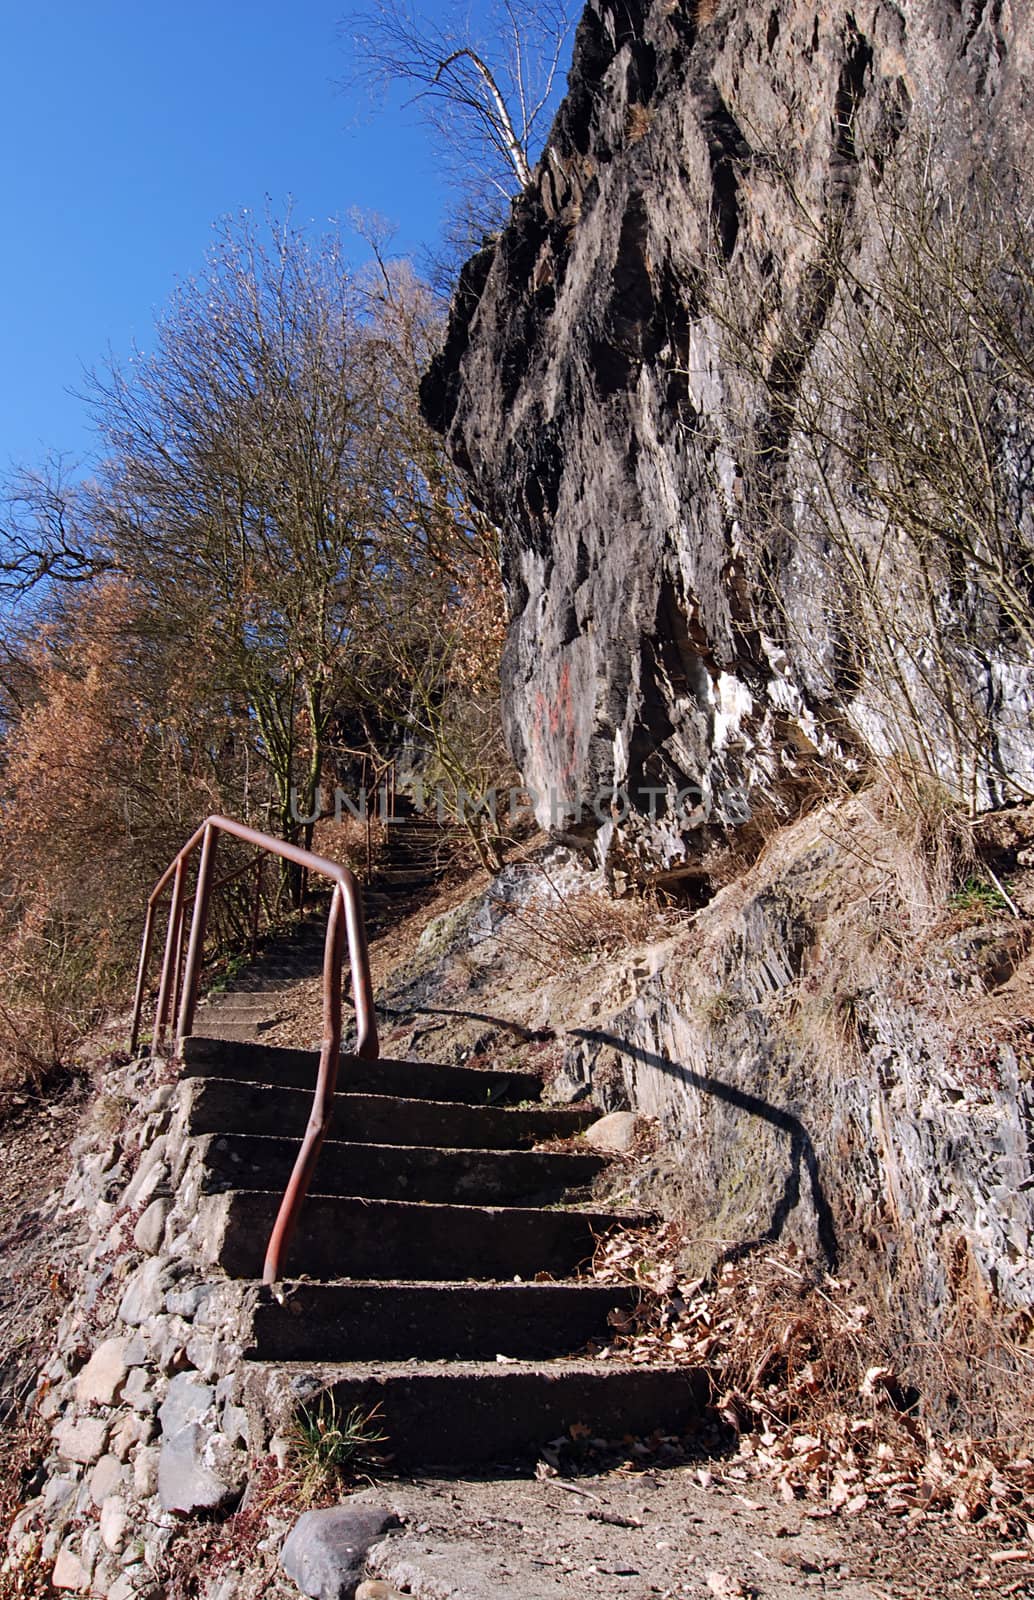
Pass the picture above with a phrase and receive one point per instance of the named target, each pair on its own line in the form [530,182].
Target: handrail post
[367,1044]
[165,987]
[177,960]
[197,934]
[323,1102]
[344,922]
[257,907]
[141,977]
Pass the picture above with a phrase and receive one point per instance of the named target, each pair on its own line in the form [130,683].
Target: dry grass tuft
[578,925]
[330,1449]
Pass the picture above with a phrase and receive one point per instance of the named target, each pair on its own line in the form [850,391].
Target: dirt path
[681,1534]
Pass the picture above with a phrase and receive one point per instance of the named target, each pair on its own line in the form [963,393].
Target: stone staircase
[438,1271]
[416,853]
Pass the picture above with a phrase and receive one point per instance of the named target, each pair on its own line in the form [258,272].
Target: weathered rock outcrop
[624,382]
[820,1077]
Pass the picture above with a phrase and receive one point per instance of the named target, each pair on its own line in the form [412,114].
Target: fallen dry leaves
[799,1377]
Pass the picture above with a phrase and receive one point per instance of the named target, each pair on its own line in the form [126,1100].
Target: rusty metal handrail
[345,920]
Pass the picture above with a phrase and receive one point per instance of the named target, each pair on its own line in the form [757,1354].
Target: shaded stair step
[404,877]
[235,1028]
[407,1080]
[406,1321]
[221,1105]
[481,1414]
[402,1172]
[217,1005]
[344,1237]
[254,982]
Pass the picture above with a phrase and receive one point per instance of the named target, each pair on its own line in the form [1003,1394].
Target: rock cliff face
[639,380]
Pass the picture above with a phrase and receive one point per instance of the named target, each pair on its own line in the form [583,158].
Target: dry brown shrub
[100,786]
[48,1003]
[638,120]
[579,924]
[353,842]
[26,1445]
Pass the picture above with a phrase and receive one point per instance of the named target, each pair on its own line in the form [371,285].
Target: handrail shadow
[802,1149]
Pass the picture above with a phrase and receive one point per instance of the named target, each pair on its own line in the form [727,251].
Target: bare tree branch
[44,536]
[487,96]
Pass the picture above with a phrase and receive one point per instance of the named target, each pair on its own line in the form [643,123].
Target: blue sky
[125,130]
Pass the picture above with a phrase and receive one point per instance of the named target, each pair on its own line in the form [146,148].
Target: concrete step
[448,832]
[302,946]
[252,981]
[225,1000]
[341,1237]
[286,965]
[402,879]
[221,1105]
[432,1321]
[260,1010]
[238,1030]
[486,1414]
[402,1172]
[409,1080]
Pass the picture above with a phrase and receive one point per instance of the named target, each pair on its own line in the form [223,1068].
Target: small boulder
[135,1583]
[130,1430]
[113,1520]
[69,1571]
[104,1375]
[615,1132]
[325,1551]
[105,1478]
[186,1400]
[566,1090]
[150,1230]
[145,1472]
[139,1391]
[142,1300]
[81,1440]
[189,1478]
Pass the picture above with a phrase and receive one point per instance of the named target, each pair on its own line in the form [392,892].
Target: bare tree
[488,93]
[242,491]
[272,490]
